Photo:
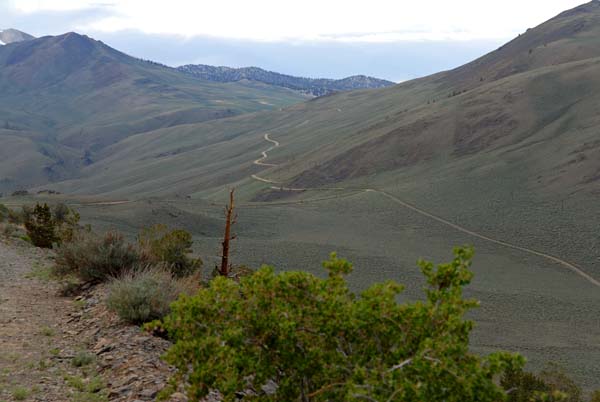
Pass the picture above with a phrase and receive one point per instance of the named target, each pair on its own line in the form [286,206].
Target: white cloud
[316,20]
[30,6]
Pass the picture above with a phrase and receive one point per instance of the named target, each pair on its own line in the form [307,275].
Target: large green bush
[317,341]
[145,294]
[158,244]
[94,258]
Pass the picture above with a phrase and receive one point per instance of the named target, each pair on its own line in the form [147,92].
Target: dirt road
[570,266]
[33,344]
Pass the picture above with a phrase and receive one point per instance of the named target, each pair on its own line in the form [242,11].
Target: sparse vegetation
[41,272]
[20,393]
[47,331]
[86,387]
[83,359]
[145,294]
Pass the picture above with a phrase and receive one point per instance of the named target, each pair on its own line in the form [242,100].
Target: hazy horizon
[332,40]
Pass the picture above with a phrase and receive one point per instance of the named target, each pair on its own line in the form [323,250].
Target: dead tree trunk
[230,219]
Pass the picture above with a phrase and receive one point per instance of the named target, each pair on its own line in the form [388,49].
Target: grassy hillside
[506,147]
[537,90]
[517,155]
[70,95]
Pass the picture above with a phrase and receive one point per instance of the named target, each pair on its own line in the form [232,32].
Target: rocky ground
[55,348]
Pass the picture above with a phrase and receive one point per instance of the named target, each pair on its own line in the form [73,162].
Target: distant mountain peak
[313,86]
[11,35]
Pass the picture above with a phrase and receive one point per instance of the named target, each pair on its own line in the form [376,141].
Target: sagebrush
[145,293]
[94,258]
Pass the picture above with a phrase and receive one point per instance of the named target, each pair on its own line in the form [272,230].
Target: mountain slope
[448,116]
[570,36]
[71,95]
[502,152]
[316,87]
[12,35]
[514,157]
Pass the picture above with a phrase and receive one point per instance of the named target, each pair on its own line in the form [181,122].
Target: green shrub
[316,340]
[40,226]
[95,259]
[595,396]
[143,295]
[158,244]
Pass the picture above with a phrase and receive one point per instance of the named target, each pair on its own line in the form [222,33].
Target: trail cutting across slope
[265,155]
[393,198]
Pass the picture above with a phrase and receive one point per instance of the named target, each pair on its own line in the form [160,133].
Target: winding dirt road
[566,264]
[264,156]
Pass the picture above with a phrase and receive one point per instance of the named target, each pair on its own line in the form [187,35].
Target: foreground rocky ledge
[55,348]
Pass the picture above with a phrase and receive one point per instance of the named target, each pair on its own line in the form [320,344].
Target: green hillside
[517,151]
[65,98]
[501,153]
[540,86]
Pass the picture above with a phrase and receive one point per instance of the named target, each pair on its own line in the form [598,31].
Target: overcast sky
[392,39]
